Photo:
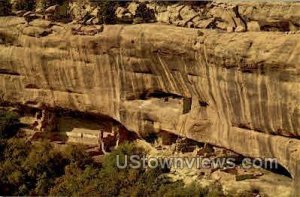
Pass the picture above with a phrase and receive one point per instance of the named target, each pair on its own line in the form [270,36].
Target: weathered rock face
[235,90]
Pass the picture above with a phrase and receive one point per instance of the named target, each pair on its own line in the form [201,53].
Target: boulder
[180,23]
[92,21]
[163,17]
[293,27]
[240,29]
[57,28]
[230,29]
[41,23]
[253,26]
[174,13]
[57,12]
[87,30]
[272,14]
[28,13]
[36,31]
[120,11]
[39,11]
[123,15]
[29,16]
[205,24]
[132,8]
[79,12]
[20,12]
[190,24]
[240,25]
[52,9]
[228,18]
[223,25]
[186,13]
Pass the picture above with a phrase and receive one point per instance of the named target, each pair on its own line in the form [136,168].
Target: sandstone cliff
[235,90]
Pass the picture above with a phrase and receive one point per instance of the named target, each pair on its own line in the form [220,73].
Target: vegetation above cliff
[82,11]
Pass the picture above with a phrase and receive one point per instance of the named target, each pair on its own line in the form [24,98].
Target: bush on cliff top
[44,4]
[28,5]
[5,7]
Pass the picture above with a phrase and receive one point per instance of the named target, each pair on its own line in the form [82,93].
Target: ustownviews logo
[137,161]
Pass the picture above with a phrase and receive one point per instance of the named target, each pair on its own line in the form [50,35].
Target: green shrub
[2,148]
[77,181]
[108,179]
[44,4]
[107,11]
[77,155]
[145,13]
[5,7]
[42,166]
[179,189]
[28,5]
[28,169]
[12,178]
[39,169]
[110,183]
[9,124]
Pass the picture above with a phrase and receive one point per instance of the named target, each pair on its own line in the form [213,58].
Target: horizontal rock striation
[235,90]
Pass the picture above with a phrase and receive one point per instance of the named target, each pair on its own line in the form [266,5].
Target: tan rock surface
[236,15]
[235,90]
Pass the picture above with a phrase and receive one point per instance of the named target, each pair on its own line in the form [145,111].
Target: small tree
[107,11]
[9,124]
[5,7]
[28,5]
[42,166]
[76,154]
